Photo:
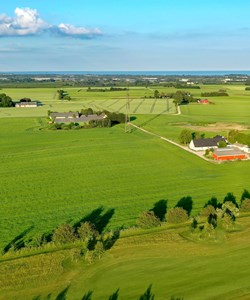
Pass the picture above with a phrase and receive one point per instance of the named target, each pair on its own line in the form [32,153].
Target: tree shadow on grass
[109,243]
[160,209]
[18,241]
[63,294]
[186,203]
[114,296]
[98,218]
[87,296]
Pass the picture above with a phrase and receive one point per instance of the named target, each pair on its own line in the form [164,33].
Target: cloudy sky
[84,35]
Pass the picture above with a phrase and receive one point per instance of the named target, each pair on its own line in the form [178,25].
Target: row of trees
[221,215]
[220,93]
[240,137]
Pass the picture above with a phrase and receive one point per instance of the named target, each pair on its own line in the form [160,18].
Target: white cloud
[70,30]
[27,22]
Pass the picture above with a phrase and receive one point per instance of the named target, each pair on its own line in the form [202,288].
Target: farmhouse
[204,144]
[27,104]
[74,117]
[229,153]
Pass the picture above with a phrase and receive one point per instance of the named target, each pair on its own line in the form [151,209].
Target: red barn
[229,153]
[203,101]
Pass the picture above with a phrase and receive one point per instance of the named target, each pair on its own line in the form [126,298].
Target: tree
[245,196]
[64,234]
[5,101]
[148,220]
[230,198]
[156,94]
[185,136]
[177,215]
[115,295]
[87,232]
[222,144]
[186,203]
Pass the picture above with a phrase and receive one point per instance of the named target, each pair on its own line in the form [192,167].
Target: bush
[245,205]
[64,234]
[87,231]
[177,215]
[148,220]
[207,211]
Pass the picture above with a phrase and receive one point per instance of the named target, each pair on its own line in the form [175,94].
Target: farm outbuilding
[229,153]
[204,144]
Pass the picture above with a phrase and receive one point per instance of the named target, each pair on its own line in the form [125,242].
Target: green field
[53,177]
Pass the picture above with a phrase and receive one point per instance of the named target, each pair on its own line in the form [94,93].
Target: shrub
[87,231]
[64,234]
[245,205]
[148,220]
[177,215]
[207,211]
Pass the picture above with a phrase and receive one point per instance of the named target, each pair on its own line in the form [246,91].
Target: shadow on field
[87,296]
[63,294]
[186,203]
[98,218]
[160,209]
[18,242]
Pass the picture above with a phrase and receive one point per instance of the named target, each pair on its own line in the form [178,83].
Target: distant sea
[137,73]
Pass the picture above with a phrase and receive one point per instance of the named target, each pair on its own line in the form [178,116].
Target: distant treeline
[112,89]
[214,94]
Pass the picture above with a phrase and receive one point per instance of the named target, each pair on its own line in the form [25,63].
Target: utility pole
[127,115]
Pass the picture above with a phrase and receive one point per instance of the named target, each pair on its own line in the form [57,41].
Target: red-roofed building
[203,101]
[229,153]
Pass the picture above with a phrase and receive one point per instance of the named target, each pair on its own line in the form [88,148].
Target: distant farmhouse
[27,104]
[204,144]
[75,117]
[229,153]
[203,101]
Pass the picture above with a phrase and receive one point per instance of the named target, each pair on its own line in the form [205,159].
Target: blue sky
[80,35]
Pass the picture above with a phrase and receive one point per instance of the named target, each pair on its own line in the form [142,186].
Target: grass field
[174,265]
[53,177]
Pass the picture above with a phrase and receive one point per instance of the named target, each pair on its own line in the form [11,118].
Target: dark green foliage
[148,220]
[222,144]
[64,234]
[212,220]
[156,94]
[194,223]
[87,296]
[177,215]
[230,198]
[115,295]
[176,298]
[240,137]
[148,295]
[6,101]
[185,136]
[245,195]
[181,97]
[214,94]
[213,201]
[186,203]
[62,95]
[160,209]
